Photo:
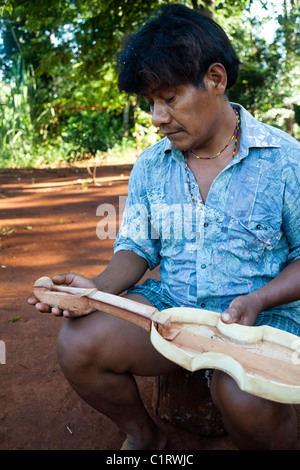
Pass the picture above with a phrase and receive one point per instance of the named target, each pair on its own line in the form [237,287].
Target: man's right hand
[67,279]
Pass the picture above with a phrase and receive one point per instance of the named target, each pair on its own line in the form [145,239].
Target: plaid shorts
[151,290]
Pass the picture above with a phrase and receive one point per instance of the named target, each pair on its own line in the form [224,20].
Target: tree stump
[183,399]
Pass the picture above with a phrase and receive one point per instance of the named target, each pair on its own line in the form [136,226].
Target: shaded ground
[48,225]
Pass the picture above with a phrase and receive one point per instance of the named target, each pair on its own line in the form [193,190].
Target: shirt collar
[169,150]
[253,134]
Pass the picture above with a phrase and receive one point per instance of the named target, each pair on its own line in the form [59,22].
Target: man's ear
[216,78]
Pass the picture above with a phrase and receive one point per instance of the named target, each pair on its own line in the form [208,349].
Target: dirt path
[48,225]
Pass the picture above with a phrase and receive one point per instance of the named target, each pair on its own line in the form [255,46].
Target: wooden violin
[263,360]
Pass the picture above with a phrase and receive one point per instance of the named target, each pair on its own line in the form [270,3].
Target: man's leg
[252,422]
[99,355]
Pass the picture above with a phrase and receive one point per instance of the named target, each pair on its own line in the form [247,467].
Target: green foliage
[91,130]
[15,109]
[269,84]
[58,90]
[30,155]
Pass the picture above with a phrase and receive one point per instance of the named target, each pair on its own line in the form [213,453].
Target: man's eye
[169,100]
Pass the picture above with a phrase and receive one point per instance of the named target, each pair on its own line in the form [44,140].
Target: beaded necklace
[185,154]
[234,135]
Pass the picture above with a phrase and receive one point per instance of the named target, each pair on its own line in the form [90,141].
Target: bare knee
[74,347]
[253,422]
[84,343]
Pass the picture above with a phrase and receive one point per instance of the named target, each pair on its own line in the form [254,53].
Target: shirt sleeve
[291,206]
[136,233]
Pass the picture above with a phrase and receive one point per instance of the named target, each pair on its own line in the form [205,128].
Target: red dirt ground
[48,225]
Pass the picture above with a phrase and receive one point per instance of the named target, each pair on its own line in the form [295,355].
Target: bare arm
[125,269]
[283,289]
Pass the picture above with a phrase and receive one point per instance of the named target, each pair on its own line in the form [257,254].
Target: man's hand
[282,290]
[71,280]
[243,310]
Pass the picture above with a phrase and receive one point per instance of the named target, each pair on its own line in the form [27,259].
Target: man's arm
[283,289]
[125,269]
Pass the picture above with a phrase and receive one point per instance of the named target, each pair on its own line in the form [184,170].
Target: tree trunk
[126,120]
[290,47]
[290,121]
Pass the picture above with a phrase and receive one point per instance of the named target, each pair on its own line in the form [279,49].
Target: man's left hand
[243,310]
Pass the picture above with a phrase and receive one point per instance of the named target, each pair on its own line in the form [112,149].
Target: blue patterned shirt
[241,238]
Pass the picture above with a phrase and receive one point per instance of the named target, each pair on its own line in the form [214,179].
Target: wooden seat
[183,399]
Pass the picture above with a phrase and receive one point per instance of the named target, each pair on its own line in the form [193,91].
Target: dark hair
[175,47]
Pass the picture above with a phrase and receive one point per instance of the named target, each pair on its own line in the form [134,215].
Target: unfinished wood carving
[264,361]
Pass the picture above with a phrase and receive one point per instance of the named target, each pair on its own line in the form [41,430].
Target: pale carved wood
[264,361]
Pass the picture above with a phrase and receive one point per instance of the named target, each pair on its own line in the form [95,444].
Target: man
[215,204]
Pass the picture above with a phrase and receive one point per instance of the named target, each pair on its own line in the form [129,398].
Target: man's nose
[160,115]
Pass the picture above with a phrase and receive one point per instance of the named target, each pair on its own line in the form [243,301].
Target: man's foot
[153,442]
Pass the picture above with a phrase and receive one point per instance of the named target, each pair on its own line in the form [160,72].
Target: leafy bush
[90,131]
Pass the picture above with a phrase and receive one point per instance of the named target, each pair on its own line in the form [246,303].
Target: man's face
[186,114]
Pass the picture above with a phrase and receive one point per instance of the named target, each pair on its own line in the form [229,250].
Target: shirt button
[203,305]
[203,266]
[206,224]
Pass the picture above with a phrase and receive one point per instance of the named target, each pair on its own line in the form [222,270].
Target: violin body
[263,360]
